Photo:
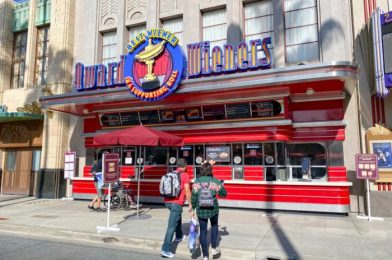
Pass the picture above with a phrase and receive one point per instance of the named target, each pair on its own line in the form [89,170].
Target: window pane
[109,41]
[133,31]
[199,154]
[300,18]
[175,26]
[336,157]
[36,161]
[253,154]
[301,35]
[156,156]
[304,52]
[11,161]
[215,27]
[18,58]
[269,154]
[315,151]
[301,31]
[290,5]
[42,55]
[237,154]
[186,152]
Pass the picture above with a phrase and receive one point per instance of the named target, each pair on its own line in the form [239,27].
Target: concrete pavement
[244,234]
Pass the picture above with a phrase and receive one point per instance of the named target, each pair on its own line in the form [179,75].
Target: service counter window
[316,152]
[173,155]
[199,154]
[186,152]
[253,154]
[238,154]
[128,156]
[156,156]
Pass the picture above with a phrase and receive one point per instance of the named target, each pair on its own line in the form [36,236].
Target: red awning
[138,135]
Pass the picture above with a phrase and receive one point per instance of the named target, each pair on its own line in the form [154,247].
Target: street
[22,248]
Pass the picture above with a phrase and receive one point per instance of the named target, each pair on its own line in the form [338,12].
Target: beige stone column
[152,14]
[6,40]
[192,22]
[234,19]
[278,36]
[31,46]
[56,125]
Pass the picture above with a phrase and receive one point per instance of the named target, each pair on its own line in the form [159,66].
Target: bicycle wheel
[114,201]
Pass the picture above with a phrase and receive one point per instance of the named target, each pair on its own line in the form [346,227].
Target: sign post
[69,172]
[111,173]
[367,168]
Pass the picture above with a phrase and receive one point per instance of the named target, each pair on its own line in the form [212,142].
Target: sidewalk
[244,234]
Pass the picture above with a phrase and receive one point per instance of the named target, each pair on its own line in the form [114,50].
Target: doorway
[17,172]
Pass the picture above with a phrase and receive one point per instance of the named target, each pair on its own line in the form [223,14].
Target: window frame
[19,60]
[107,60]
[213,43]
[316,7]
[45,56]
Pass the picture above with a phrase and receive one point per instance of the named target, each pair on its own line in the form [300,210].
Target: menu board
[218,153]
[110,119]
[214,112]
[241,110]
[167,115]
[149,117]
[193,114]
[266,109]
[129,118]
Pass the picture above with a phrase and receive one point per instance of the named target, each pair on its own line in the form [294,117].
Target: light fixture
[85,111]
[309,91]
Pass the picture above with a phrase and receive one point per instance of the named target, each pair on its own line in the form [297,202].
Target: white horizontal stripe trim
[321,123]
[269,183]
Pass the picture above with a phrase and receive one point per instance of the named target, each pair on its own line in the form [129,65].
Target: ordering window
[253,154]
[317,154]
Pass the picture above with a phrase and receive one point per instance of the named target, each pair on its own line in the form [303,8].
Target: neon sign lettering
[138,73]
[224,60]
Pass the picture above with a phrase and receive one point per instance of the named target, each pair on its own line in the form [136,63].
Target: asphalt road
[22,248]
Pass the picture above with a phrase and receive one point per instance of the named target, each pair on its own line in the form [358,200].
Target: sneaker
[167,254]
[205,258]
[91,207]
[180,239]
[215,251]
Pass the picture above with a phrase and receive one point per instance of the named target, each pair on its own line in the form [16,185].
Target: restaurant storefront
[229,105]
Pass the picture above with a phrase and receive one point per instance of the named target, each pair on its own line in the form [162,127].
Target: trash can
[51,184]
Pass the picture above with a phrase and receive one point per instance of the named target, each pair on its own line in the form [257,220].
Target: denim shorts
[99,191]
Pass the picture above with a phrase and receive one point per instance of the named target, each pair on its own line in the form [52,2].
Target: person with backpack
[204,200]
[175,188]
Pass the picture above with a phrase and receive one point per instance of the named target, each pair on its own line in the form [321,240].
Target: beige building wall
[61,44]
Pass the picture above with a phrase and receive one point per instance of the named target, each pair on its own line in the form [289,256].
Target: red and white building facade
[258,123]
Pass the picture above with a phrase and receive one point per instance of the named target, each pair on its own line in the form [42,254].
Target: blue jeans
[174,225]
[203,233]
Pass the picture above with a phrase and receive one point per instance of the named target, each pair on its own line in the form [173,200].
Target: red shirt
[181,198]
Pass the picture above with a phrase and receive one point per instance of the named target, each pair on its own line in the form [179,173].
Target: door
[9,172]
[17,172]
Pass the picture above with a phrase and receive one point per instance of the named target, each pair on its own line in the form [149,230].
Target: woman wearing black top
[95,170]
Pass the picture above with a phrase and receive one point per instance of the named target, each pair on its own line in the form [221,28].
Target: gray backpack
[206,199]
[170,185]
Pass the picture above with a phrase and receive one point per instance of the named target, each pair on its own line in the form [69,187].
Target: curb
[114,240]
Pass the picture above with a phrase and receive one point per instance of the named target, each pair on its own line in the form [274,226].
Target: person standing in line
[96,169]
[208,213]
[175,207]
